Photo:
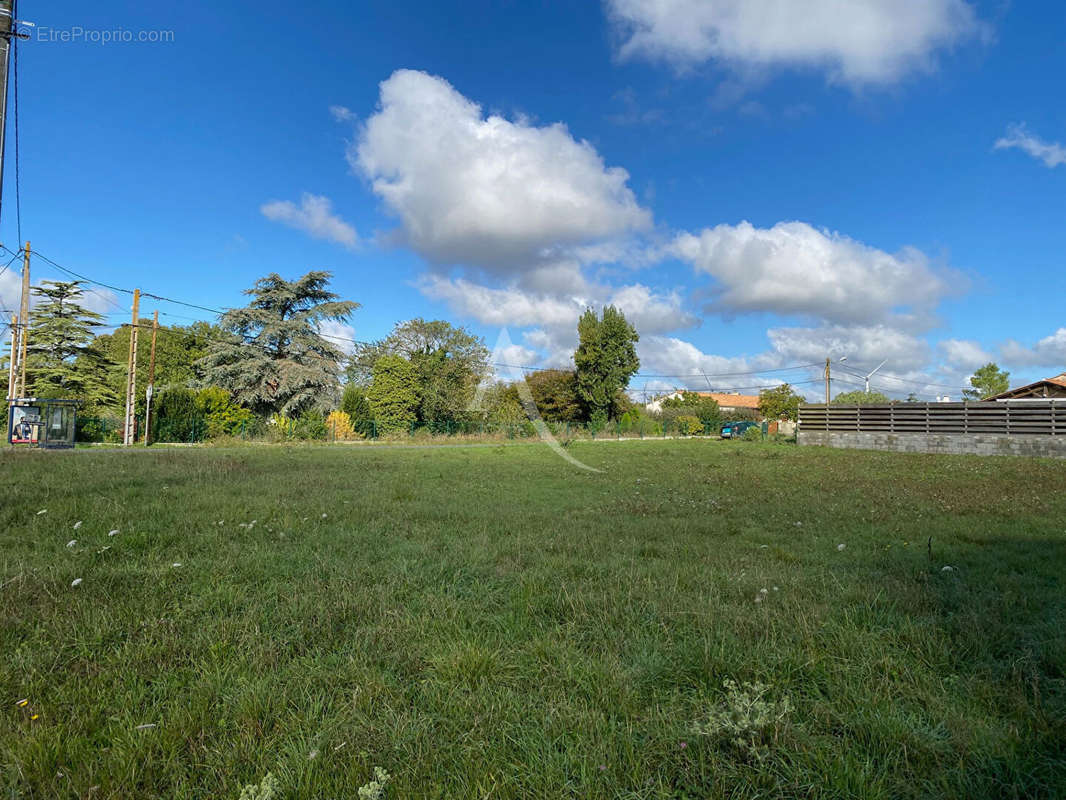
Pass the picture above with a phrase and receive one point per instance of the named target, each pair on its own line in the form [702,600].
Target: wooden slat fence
[1041,418]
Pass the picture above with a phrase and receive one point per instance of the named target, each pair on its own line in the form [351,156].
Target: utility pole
[151,382]
[128,433]
[14,350]
[827,380]
[24,323]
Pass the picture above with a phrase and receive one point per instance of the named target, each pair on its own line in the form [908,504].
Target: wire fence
[109,430]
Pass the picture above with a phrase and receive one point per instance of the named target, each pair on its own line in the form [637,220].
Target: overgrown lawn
[490,622]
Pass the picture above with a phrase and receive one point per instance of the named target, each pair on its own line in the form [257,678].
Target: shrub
[310,425]
[393,396]
[339,425]
[357,407]
[98,429]
[221,415]
[282,427]
[752,435]
[688,425]
[178,417]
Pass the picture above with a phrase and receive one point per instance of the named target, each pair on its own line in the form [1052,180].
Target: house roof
[1047,387]
[732,400]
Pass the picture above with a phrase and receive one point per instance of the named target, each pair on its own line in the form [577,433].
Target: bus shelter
[41,422]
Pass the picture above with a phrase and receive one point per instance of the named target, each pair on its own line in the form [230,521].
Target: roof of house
[1046,387]
[732,400]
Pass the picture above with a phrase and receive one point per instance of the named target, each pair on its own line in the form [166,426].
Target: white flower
[42,511]
[840,546]
[775,588]
[72,542]
[113,533]
[76,582]
[763,590]
[948,568]
[77,524]
[758,598]
[313,755]
[145,726]
[324,516]
[176,564]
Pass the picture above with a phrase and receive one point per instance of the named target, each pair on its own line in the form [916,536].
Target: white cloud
[1048,352]
[339,334]
[964,353]
[342,113]
[856,42]
[486,191]
[861,344]
[1052,154]
[793,268]
[516,306]
[313,216]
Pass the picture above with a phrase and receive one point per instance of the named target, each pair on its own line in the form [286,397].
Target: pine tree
[62,359]
[273,359]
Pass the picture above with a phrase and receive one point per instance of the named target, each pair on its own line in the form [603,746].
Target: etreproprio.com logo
[77,35]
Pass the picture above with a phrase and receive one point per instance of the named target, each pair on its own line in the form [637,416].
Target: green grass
[490,622]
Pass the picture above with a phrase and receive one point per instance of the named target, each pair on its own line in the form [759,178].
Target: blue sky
[757,189]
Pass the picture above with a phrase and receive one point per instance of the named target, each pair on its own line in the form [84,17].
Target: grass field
[492,623]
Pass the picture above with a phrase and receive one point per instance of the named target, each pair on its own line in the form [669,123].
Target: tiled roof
[732,400]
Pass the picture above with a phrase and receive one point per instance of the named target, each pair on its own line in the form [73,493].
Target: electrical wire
[18,179]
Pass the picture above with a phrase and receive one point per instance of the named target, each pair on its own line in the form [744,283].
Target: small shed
[41,422]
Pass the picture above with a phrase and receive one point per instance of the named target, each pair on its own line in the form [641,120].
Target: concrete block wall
[961,443]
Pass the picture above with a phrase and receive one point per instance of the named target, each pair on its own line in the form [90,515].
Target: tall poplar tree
[606,358]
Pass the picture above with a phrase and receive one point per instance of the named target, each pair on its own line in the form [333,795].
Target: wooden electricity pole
[14,351]
[827,381]
[151,382]
[24,324]
[128,434]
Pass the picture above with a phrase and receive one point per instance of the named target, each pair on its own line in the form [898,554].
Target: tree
[393,395]
[449,363]
[62,359]
[988,381]
[781,402]
[356,406]
[860,398]
[272,357]
[554,392]
[705,409]
[178,352]
[606,358]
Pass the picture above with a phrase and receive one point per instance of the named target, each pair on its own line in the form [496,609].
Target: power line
[18,179]
[905,380]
